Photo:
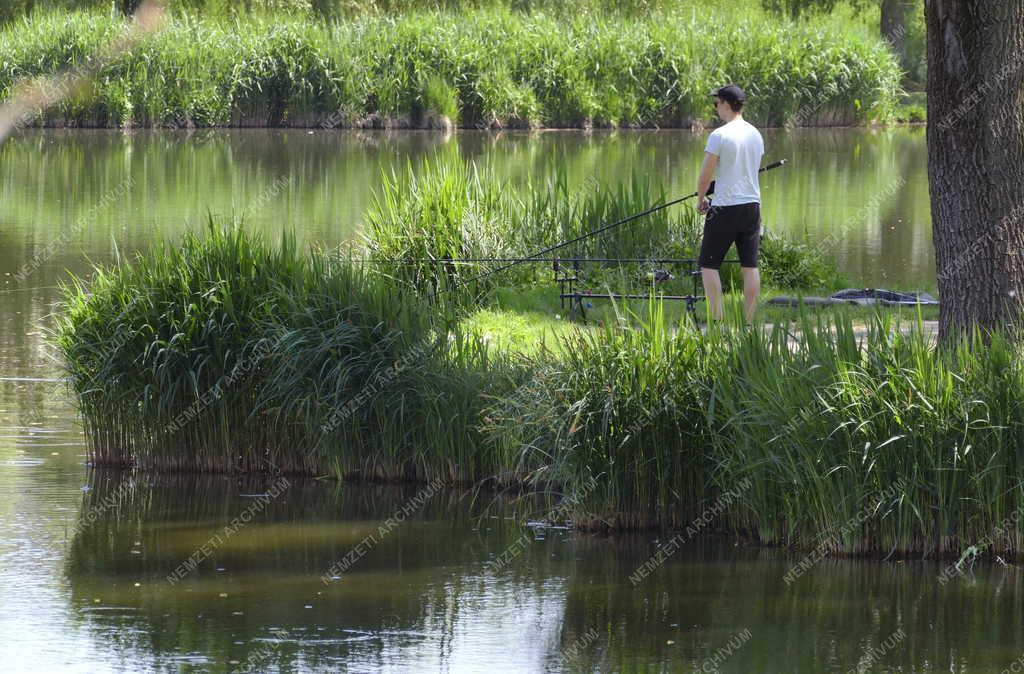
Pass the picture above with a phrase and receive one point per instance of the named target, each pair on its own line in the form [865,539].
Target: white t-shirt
[739,148]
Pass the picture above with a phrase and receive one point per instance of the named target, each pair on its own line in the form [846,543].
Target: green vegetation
[487,68]
[451,209]
[620,407]
[226,354]
[873,442]
[916,447]
[334,9]
[527,320]
[911,114]
[912,109]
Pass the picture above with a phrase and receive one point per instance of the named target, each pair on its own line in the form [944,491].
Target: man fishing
[732,157]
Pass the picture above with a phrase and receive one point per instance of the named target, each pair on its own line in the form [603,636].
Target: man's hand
[707,172]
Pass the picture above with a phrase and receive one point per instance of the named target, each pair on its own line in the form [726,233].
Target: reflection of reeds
[429,580]
[715,590]
[172,515]
[484,68]
[271,566]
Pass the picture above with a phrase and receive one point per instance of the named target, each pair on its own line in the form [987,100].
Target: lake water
[860,194]
[105,571]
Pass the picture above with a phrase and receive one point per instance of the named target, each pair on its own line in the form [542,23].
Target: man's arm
[707,173]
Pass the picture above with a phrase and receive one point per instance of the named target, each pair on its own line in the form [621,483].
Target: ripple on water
[22,462]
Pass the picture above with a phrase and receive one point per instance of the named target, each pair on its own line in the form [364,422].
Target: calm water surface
[861,194]
[85,561]
[416,581]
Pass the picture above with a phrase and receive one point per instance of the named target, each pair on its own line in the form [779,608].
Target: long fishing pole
[599,230]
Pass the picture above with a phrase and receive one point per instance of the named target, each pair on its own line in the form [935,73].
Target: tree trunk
[894,26]
[976,160]
[128,7]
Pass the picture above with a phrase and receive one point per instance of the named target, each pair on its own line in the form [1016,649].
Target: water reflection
[427,595]
[417,597]
[860,193]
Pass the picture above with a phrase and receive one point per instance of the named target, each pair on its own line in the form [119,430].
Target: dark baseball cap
[730,93]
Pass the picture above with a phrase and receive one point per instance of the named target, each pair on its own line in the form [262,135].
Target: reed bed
[149,341]
[228,354]
[621,410]
[450,208]
[814,436]
[882,443]
[331,9]
[483,68]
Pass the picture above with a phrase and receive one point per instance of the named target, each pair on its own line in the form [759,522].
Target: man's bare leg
[751,290]
[713,291]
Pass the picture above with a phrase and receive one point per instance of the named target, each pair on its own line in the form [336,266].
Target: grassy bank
[872,446]
[225,353]
[486,68]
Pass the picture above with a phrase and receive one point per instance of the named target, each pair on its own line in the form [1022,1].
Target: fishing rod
[538,256]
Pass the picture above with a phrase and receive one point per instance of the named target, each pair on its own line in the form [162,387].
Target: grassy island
[833,431]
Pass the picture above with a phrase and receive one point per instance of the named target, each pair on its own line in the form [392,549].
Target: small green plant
[440,98]
[796,265]
[914,114]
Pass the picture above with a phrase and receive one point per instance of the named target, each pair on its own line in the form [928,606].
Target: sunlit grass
[849,428]
[481,68]
[450,208]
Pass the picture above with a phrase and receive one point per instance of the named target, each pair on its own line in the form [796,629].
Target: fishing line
[535,257]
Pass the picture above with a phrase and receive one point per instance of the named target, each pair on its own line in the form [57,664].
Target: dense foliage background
[901,22]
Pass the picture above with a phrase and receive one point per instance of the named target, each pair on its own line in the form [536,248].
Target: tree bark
[976,160]
[894,26]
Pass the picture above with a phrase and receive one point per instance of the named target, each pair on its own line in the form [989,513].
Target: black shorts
[726,225]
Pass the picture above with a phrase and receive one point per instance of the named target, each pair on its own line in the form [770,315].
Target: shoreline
[707,531]
[398,127]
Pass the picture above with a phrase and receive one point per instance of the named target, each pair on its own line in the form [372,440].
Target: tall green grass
[854,442]
[228,354]
[486,68]
[822,435]
[453,209]
[919,447]
[622,408]
[450,209]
